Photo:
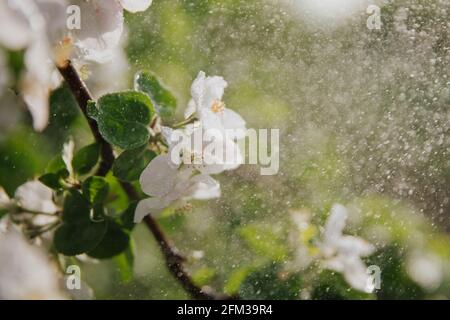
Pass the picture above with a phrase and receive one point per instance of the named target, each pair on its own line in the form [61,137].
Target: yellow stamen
[218,106]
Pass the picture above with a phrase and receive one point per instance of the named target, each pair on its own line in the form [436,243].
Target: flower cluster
[205,146]
[334,250]
[40,27]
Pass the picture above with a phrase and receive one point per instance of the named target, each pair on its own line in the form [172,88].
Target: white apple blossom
[39,27]
[26,272]
[207,105]
[208,151]
[35,196]
[342,253]
[168,186]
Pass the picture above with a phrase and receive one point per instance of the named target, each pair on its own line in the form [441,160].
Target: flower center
[218,106]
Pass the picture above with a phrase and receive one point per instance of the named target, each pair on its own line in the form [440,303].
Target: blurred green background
[364,119]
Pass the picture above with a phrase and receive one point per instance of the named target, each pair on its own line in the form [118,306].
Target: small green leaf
[58,167]
[130,164]
[203,276]
[164,101]
[95,189]
[86,158]
[114,242]
[51,180]
[76,238]
[127,217]
[123,118]
[234,281]
[78,233]
[76,208]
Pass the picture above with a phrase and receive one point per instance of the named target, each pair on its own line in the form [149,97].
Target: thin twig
[174,260]
[83,96]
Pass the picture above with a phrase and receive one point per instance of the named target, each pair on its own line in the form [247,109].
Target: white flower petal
[354,246]
[35,196]
[231,120]
[335,224]
[26,272]
[206,90]
[136,5]
[54,13]
[151,206]
[204,188]
[355,273]
[15,29]
[167,133]
[198,89]
[36,96]
[214,89]
[101,29]
[191,109]
[67,155]
[38,82]
[159,178]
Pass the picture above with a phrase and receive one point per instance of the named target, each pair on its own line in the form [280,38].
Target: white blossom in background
[342,253]
[26,272]
[34,196]
[102,26]
[426,268]
[170,186]
[39,27]
[207,105]
[111,76]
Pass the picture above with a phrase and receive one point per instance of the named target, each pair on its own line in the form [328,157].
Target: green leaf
[95,189]
[163,99]
[54,172]
[123,118]
[76,208]
[264,241]
[114,242]
[58,167]
[203,276]
[86,158]
[51,180]
[127,217]
[76,238]
[268,283]
[78,233]
[130,164]
[125,263]
[235,280]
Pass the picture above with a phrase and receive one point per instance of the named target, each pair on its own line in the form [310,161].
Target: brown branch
[174,260]
[83,96]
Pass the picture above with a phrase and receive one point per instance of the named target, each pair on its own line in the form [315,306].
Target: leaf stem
[174,260]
